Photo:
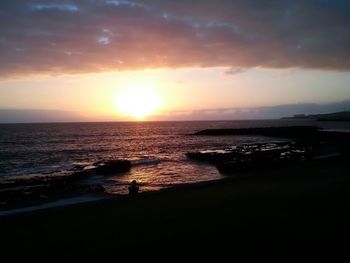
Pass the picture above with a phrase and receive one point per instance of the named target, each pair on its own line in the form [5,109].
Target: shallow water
[36,149]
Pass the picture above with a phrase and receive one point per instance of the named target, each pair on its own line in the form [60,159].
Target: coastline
[306,204]
[54,191]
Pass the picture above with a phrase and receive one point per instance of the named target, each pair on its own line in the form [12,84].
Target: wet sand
[299,213]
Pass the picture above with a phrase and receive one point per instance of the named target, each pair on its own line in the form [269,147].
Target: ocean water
[156,149]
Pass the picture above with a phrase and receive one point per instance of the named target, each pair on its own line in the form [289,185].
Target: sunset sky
[172,60]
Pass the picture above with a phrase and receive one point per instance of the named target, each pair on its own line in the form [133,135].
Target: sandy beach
[299,212]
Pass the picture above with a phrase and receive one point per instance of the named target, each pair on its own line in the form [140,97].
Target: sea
[157,150]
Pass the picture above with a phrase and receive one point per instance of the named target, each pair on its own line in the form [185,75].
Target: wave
[45,169]
[50,168]
[145,161]
[67,168]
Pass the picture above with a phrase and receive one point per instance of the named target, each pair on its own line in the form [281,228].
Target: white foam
[145,161]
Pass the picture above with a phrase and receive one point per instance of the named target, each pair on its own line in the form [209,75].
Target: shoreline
[283,210]
[241,177]
[85,199]
[58,190]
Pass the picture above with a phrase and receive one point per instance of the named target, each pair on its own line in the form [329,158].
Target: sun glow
[138,101]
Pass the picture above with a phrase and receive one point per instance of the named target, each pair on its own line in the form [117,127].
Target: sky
[172,60]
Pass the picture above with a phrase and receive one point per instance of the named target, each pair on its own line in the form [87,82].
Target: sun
[138,102]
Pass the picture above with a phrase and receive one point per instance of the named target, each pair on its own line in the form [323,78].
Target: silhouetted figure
[133,188]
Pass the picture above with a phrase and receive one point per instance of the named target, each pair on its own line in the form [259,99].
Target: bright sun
[138,102]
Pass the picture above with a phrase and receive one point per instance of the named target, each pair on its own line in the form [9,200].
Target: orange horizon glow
[171,94]
[138,100]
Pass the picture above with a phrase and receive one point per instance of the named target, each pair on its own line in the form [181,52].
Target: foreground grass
[300,213]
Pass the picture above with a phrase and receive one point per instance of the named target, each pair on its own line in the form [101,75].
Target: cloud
[59,7]
[30,115]
[255,113]
[234,71]
[104,35]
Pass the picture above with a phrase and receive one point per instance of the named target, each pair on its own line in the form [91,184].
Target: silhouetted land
[287,132]
[306,133]
[299,213]
[335,116]
[304,144]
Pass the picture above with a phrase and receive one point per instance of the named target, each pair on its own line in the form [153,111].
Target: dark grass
[296,214]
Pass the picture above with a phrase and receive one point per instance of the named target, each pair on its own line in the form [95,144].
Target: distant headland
[335,116]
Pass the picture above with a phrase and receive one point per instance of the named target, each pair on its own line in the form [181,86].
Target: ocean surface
[156,149]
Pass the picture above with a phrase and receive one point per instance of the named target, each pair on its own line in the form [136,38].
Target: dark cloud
[90,36]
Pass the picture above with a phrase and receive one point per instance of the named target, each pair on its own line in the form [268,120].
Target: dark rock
[256,156]
[114,166]
[47,187]
[81,174]
[286,132]
[210,157]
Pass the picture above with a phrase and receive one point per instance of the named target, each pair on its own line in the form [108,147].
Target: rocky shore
[285,132]
[256,156]
[305,143]
[22,191]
